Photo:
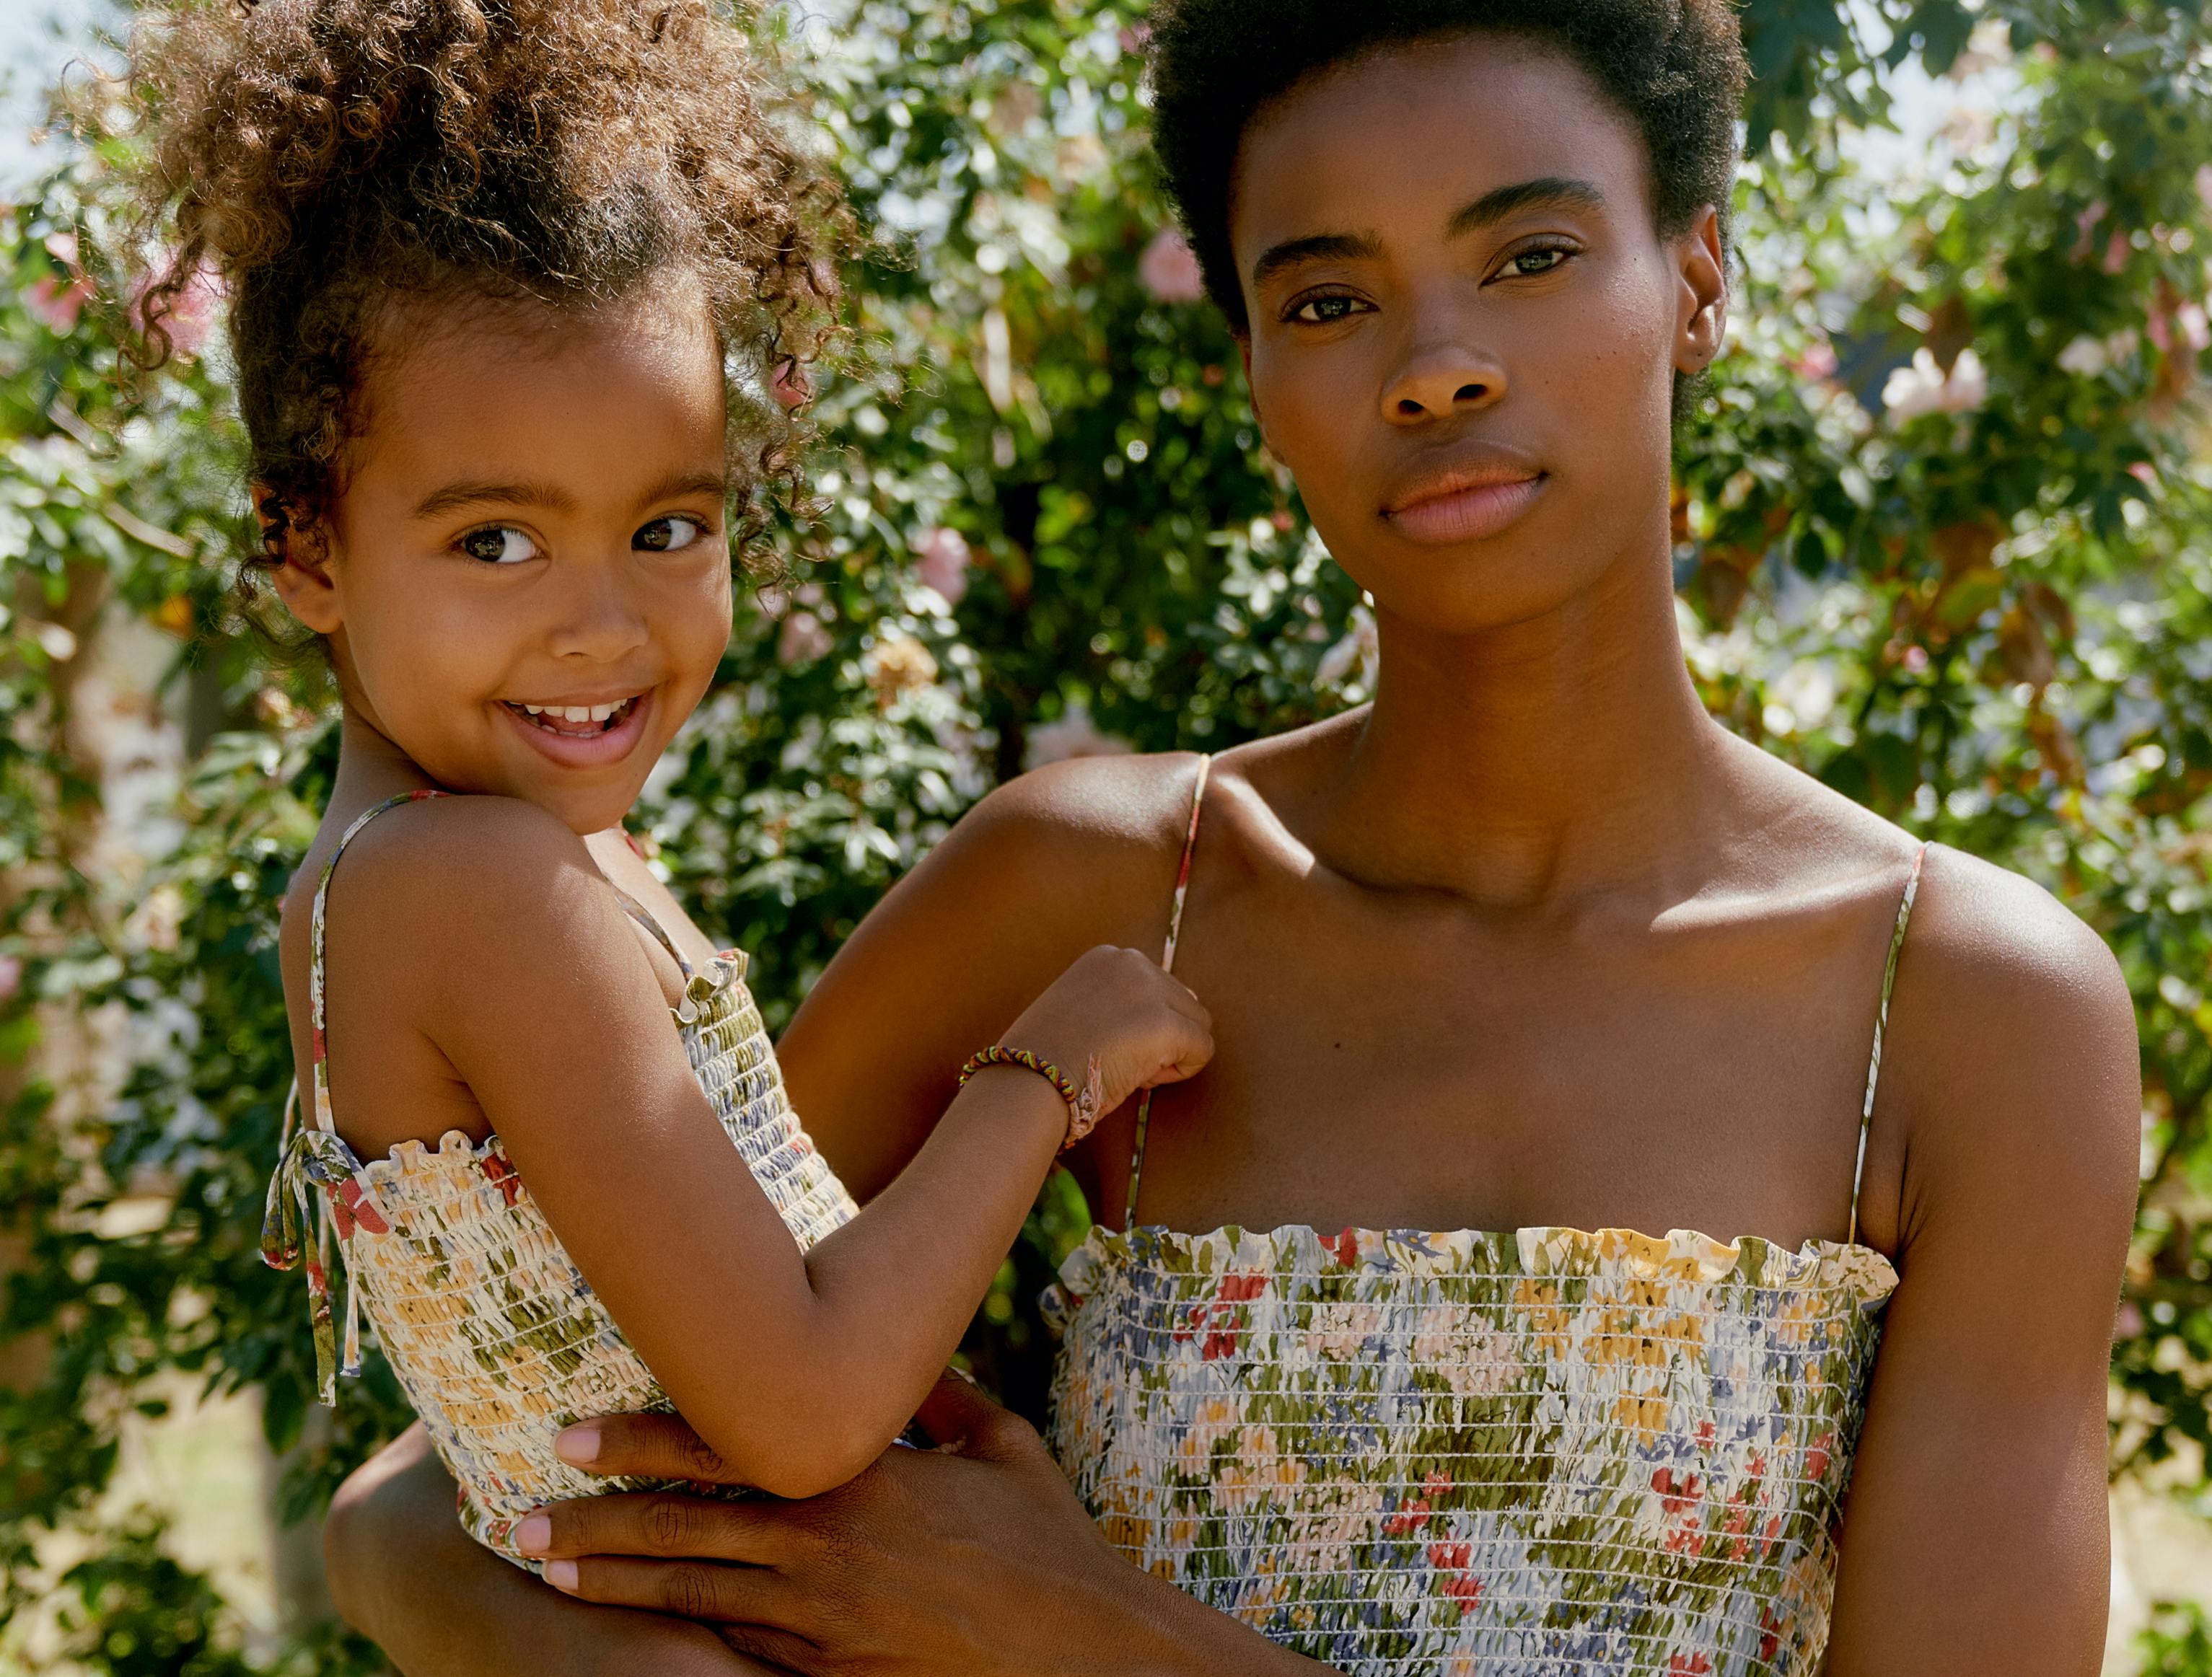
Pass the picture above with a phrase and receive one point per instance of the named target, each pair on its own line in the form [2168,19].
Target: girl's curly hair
[327,161]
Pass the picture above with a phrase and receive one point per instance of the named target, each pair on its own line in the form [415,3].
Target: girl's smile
[583,733]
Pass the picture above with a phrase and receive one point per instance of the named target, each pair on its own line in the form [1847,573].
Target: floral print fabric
[493,1332]
[1531,1454]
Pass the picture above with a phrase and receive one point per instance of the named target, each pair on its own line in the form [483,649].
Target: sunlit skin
[1528,941]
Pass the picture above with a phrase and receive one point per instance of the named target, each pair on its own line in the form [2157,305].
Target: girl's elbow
[808,1461]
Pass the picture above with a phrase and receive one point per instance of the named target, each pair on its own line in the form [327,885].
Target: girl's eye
[1328,310]
[1529,263]
[498,544]
[668,535]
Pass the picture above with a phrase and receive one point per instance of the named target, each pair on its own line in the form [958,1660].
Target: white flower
[1924,388]
[1358,650]
[1169,268]
[1075,735]
[2084,357]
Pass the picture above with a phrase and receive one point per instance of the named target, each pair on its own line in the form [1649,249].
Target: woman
[1529,946]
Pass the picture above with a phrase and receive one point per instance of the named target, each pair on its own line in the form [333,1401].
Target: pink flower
[791,386]
[11,977]
[944,557]
[2204,186]
[55,305]
[192,314]
[802,641]
[2116,252]
[1169,268]
[1818,362]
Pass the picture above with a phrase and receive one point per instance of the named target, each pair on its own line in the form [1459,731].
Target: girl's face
[528,583]
[1464,330]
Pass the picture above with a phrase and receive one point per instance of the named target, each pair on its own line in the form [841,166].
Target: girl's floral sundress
[494,1334]
[1548,1453]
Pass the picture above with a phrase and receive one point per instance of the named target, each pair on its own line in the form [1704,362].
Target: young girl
[510,288]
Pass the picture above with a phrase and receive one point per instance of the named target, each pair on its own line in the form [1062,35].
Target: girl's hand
[974,1560]
[1117,1006]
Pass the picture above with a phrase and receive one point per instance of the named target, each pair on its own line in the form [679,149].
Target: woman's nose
[1443,376]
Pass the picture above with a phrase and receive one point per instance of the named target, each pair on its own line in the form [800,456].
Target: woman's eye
[668,535]
[1328,310]
[498,544]
[1529,263]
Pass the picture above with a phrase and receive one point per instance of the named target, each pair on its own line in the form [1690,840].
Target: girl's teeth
[579,713]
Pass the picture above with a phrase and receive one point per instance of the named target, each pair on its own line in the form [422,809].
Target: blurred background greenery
[1943,537]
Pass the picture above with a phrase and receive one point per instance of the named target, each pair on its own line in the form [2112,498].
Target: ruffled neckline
[1683,1254]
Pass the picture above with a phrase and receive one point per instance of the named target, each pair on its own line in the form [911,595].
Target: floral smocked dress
[1548,1453]
[496,1337]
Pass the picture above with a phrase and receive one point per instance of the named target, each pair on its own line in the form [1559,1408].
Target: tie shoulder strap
[312,1158]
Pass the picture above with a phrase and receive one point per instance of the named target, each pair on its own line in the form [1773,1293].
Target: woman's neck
[1560,758]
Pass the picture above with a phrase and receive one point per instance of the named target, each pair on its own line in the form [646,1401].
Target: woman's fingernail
[534,1535]
[578,1446]
[560,1574]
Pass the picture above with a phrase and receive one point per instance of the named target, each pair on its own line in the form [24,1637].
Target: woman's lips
[1470,513]
[591,750]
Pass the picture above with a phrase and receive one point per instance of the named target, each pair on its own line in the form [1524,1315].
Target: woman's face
[527,587]
[1464,330]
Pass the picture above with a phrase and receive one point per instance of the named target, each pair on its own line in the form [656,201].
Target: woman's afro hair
[1674,67]
[327,161]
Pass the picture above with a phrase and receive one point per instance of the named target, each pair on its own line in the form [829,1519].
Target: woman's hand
[974,1560]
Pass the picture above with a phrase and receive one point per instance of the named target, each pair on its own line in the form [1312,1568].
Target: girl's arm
[1975,1537]
[538,993]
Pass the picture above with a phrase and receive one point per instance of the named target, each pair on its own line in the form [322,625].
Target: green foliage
[2178,1644]
[1982,611]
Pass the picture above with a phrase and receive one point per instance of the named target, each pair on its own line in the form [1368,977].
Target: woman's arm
[1975,1537]
[392,1547]
[976,1560]
[799,1368]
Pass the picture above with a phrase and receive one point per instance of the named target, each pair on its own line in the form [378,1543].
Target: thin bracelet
[1083,1104]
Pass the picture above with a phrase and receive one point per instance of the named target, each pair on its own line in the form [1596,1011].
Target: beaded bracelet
[1083,1104]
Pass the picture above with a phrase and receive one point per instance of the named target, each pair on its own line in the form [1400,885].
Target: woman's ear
[1701,295]
[299,570]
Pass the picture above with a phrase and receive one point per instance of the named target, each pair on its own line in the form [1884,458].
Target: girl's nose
[601,620]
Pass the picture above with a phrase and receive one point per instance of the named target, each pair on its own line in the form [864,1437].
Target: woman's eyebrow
[1547,192]
[1319,247]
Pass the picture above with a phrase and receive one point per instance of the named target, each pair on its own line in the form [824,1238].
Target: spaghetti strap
[313,1156]
[1167,964]
[1881,1025]
[643,916]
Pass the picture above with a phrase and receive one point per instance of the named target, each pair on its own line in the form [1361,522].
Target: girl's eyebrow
[677,485]
[453,496]
[1547,192]
[551,496]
